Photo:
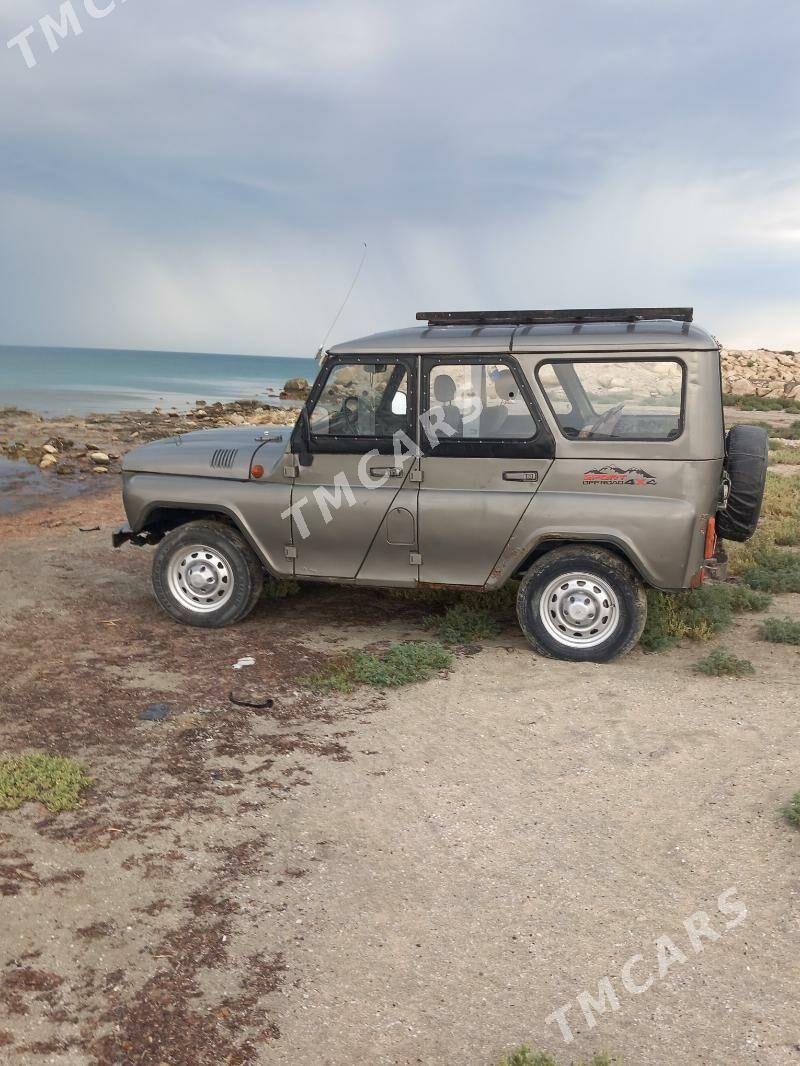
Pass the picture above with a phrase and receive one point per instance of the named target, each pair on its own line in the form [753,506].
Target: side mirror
[304,455]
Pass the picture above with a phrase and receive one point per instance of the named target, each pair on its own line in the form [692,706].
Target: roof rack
[571,316]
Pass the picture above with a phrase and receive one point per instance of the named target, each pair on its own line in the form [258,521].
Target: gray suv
[581,453]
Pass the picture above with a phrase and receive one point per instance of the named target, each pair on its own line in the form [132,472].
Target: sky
[202,176]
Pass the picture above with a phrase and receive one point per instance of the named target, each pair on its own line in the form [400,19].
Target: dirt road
[416,877]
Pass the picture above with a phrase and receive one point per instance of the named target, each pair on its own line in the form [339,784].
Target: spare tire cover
[747,449]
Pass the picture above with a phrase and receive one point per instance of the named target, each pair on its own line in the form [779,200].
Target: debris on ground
[247,660]
[255,704]
[156,712]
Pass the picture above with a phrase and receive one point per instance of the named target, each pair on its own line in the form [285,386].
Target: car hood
[223,453]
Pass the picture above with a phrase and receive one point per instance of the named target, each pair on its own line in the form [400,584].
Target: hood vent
[224,458]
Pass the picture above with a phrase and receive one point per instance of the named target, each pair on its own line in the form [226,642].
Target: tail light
[711,538]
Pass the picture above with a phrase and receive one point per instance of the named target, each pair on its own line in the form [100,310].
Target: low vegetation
[792,811]
[51,780]
[723,663]
[790,432]
[786,532]
[761,403]
[773,570]
[523,1056]
[780,631]
[760,562]
[696,615]
[779,455]
[401,664]
[275,589]
[462,624]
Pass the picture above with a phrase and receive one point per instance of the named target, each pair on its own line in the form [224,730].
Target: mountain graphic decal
[617,475]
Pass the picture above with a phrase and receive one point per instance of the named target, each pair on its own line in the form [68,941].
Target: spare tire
[747,452]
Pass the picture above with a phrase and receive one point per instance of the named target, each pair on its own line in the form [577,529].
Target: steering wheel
[605,423]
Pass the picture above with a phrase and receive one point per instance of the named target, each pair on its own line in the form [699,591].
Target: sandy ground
[415,877]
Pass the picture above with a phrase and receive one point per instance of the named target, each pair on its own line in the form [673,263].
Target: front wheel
[206,574]
[583,604]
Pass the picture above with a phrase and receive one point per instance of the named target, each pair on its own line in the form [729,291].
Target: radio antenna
[321,348]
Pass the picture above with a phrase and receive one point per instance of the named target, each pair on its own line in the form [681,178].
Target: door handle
[530,476]
[392,471]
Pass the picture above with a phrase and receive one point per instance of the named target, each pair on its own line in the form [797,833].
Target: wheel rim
[579,610]
[200,578]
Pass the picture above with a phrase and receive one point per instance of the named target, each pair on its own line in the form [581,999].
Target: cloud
[203,177]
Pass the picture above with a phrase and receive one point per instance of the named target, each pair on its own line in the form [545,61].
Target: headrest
[444,388]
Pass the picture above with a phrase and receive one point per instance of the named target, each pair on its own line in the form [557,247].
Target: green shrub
[786,532]
[698,614]
[49,779]
[461,624]
[780,631]
[402,664]
[779,455]
[761,403]
[792,811]
[523,1056]
[773,570]
[722,663]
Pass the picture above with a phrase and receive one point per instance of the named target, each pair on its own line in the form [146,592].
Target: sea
[80,381]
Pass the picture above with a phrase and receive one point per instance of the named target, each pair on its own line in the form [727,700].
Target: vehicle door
[486,450]
[356,408]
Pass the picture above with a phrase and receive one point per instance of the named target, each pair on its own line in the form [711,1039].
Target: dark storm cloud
[202,175]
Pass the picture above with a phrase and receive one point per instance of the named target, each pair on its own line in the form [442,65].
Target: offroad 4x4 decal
[615,475]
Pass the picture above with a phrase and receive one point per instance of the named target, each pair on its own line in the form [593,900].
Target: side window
[362,400]
[630,399]
[478,401]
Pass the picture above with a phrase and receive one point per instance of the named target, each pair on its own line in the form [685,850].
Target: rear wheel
[583,604]
[206,574]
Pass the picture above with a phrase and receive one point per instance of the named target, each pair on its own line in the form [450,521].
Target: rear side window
[478,401]
[630,399]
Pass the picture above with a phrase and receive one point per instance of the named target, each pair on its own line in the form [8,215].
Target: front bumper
[125,534]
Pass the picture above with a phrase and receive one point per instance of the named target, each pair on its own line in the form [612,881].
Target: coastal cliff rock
[761,372]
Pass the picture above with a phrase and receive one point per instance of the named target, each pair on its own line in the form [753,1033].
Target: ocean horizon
[80,381]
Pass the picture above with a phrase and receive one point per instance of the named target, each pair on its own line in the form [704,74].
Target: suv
[581,453]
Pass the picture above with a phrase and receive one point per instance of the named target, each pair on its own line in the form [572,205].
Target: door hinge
[291,471]
[415,559]
[415,475]
[290,551]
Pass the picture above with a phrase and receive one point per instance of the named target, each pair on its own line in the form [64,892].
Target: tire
[206,574]
[603,594]
[747,451]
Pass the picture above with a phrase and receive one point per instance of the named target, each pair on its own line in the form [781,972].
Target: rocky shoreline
[76,446]
[44,459]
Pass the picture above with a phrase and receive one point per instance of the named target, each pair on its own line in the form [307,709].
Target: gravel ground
[422,876]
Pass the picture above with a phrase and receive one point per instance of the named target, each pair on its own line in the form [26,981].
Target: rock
[100,458]
[236,420]
[297,386]
[50,450]
[47,462]
[100,470]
